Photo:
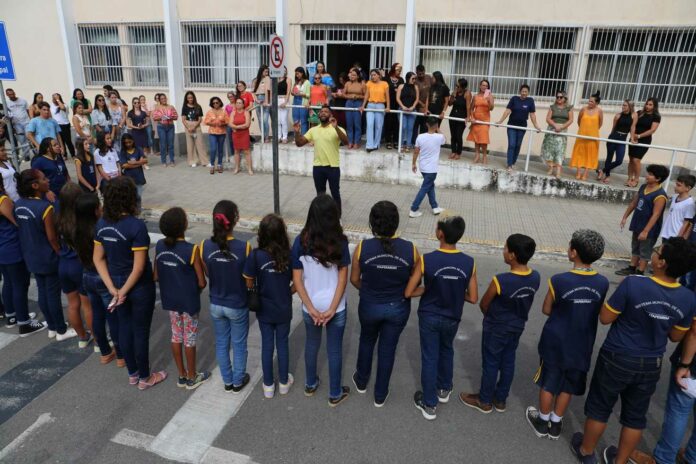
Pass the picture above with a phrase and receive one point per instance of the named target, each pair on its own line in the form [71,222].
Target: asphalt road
[59,405]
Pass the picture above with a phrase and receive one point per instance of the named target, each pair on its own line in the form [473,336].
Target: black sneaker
[443,396]
[628,270]
[240,387]
[2,315]
[359,388]
[32,327]
[575,444]
[345,391]
[380,403]
[500,406]
[198,380]
[11,322]
[555,429]
[181,383]
[310,391]
[609,454]
[539,426]
[428,412]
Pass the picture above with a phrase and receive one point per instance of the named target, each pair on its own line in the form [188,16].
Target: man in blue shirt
[42,127]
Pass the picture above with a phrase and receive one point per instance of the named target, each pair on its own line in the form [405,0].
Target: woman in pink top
[166,116]
[217,121]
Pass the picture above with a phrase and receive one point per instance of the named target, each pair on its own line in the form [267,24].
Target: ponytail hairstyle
[225,217]
[65,217]
[273,239]
[173,224]
[597,97]
[322,236]
[384,221]
[27,179]
[87,213]
[45,148]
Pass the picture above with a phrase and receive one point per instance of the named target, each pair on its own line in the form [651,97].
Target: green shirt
[326,143]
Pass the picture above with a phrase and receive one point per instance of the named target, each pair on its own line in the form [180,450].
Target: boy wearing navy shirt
[505,307]
[572,303]
[647,207]
[449,280]
[644,312]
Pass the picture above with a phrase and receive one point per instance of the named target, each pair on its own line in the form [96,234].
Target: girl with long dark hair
[59,112]
[320,260]
[460,101]
[407,96]
[262,90]
[643,128]
[439,97]
[391,120]
[51,163]
[138,124]
[300,93]
[34,109]
[192,117]
[78,96]
[106,159]
[101,116]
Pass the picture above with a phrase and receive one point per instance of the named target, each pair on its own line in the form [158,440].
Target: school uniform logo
[26,210]
[567,295]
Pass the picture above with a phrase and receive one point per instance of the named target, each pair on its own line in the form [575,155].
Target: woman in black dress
[439,97]
[138,122]
[391,120]
[643,128]
[460,101]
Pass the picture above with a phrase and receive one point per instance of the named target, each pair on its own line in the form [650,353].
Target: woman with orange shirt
[317,97]
[481,107]
[376,98]
[586,152]
[216,119]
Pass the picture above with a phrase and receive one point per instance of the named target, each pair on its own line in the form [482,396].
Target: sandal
[154,379]
[212,171]
[219,169]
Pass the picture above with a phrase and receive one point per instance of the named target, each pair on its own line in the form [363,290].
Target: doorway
[341,57]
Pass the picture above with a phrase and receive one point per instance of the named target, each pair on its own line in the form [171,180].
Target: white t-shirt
[60,116]
[17,111]
[9,181]
[429,156]
[678,212]
[321,283]
[108,161]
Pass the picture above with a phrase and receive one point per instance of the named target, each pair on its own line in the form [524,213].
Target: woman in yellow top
[376,98]
[586,152]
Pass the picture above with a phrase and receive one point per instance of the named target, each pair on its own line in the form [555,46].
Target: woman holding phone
[481,106]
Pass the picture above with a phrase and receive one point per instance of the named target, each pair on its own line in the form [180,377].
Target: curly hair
[120,198]
[384,221]
[322,235]
[173,225]
[273,239]
[589,245]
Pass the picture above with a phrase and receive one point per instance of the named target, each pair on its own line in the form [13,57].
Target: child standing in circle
[179,271]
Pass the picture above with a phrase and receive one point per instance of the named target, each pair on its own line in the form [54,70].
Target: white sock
[544,417]
[555,418]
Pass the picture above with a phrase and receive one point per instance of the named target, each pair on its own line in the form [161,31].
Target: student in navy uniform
[132,161]
[689,279]
[179,271]
[14,272]
[449,280]
[69,266]
[644,312]
[647,207]
[87,213]
[122,261]
[320,260]
[223,260]
[572,303]
[50,161]
[269,266]
[39,242]
[85,170]
[505,307]
[381,269]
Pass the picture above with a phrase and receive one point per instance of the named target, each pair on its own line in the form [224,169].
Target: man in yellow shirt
[326,137]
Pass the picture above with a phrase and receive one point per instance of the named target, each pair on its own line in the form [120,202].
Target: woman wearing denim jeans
[354,93]
[165,115]
[620,130]
[320,260]
[407,97]
[376,98]
[300,97]
[519,108]
[381,269]
[217,121]
[223,259]
[261,88]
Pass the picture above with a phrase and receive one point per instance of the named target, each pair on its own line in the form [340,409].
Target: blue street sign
[7,72]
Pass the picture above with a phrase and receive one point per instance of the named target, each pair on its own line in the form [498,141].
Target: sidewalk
[490,216]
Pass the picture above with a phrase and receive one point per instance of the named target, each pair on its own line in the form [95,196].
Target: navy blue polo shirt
[569,333]
[384,276]
[648,309]
[446,275]
[225,272]
[137,174]
[120,240]
[644,210]
[519,110]
[88,170]
[177,277]
[30,214]
[54,169]
[273,285]
[509,310]
[10,250]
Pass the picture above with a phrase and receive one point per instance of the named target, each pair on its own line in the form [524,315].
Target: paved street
[61,405]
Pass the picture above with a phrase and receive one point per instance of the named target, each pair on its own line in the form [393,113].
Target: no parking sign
[276,60]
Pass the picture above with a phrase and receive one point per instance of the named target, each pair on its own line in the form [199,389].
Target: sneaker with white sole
[428,412]
[51,333]
[443,396]
[284,388]
[32,327]
[198,380]
[84,343]
[12,320]
[359,388]
[268,391]
[68,334]
[414,214]
[438,210]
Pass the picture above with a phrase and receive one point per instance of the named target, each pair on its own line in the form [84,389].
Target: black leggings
[391,128]
[66,135]
[457,132]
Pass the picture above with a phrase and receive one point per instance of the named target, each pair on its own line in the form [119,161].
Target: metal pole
[671,167]
[275,121]
[401,128]
[13,142]
[529,151]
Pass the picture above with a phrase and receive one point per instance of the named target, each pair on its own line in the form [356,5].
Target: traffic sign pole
[13,143]
[7,73]
[276,69]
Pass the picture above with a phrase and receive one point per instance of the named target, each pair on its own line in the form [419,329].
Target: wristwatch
[682,365]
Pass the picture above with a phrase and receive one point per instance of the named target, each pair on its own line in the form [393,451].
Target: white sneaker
[268,391]
[438,210]
[210,166]
[193,165]
[70,333]
[51,333]
[414,214]
[284,388]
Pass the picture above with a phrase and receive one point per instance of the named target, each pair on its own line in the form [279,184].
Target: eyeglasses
[560,97]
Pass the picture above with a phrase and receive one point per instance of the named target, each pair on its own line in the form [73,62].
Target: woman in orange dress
[481,107]
[586,152]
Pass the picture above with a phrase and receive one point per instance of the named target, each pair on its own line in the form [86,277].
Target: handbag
[253,297]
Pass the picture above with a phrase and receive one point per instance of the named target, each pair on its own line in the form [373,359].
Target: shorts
[70,276]
[184,328]
[634,379]
[639,152]
[642,248]
[555,380]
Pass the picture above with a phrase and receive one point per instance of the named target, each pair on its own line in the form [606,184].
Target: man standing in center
[326,137]
[423,82]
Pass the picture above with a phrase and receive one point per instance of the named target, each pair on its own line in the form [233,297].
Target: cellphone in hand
[486,92]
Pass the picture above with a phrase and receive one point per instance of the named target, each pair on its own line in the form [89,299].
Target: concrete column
[175,64]
[410,36]
[71,45]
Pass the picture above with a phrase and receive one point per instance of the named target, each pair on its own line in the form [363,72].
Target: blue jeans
[229,139]
[354,122]
[498,351]
[14,291]
[385,321]
[427,188]
[49,301]
[515,137]
[375,122]
[334,351]
[300,115]
[437,354]
[134,322]
[231,331]
[612,148]
[408,121]
[99,297]
[275,336]
[678,410]
[166,137]
[263,113]
[217,148]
